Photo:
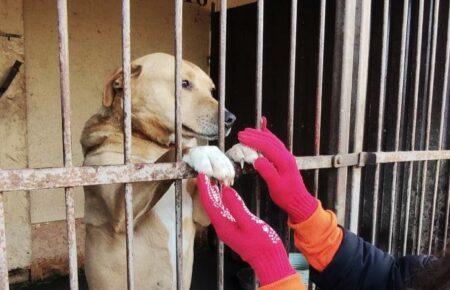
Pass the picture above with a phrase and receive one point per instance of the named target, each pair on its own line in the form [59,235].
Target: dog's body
[153,202]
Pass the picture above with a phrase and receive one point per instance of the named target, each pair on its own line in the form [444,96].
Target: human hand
[250,237]
[278,168]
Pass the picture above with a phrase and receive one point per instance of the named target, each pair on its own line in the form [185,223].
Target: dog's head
[153,98]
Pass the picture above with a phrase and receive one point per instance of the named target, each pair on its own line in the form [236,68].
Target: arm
[342,260]
[339,259]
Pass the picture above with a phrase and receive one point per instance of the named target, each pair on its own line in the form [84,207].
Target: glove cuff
[272,265]
[303,208]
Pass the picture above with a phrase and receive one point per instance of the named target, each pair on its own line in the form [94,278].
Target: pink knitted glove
[255,241]
[279,169]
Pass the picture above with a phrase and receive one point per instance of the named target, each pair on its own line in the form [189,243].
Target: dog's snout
[229,119]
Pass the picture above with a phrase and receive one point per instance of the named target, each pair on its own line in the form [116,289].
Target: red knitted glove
[255,241]
[279,169]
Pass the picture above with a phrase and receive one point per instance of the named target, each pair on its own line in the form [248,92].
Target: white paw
[242,154]
[212,162]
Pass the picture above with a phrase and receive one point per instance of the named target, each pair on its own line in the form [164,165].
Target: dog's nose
[229,119]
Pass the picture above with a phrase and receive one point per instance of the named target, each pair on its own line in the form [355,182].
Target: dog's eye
[186,84]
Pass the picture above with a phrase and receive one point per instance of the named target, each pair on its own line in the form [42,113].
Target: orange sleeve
[292,282]
[318,238]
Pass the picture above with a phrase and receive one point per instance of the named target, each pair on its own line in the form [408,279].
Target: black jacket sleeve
[360,265]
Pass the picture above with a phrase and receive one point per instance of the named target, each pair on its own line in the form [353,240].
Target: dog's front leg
[212,162]
[242,154]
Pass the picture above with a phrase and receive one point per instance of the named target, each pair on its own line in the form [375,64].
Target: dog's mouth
[210,137]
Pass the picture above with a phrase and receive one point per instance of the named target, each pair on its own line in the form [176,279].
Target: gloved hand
[279,169]
[250,237]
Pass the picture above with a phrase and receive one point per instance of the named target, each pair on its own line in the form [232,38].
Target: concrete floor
[204,274]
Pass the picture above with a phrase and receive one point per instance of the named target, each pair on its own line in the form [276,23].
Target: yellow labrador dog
[153,118]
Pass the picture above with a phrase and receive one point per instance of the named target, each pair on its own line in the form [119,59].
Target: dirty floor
[204,275]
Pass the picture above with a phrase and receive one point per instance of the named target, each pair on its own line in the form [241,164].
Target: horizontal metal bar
[405,156]
[45,178]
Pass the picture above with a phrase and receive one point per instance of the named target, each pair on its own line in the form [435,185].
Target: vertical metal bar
[429,112]
[259,61]
[4,283]
[318,108]
[447,217]
[344,91]
[383,78]
[178,140]
[292,67]
[423,125]
[441,134]
[401,89]
[222,80]
[126,68]
[363,71]
[319,90]
[291,96]
[258,109]
[414,121]
[67,140]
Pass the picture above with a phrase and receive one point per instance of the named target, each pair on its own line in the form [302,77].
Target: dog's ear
[115,84]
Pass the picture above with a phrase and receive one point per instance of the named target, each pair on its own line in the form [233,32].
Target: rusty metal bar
[383,78]
[259,92]
[319,90]
[45,178]
[405,156]
[291,95]
[343,80]
[441,134]
[364,18]
[178,141]
[429,113]
[221,125]
[414,121]
[406,18]
[63,39]
[126,68]
[4,283]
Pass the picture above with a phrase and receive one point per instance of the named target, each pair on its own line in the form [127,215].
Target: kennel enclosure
[379,145]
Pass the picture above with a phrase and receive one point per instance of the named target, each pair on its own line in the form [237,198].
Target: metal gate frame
[352,42]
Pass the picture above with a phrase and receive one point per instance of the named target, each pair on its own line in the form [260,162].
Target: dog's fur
[153,117]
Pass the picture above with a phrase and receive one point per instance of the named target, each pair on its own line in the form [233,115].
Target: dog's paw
[242,154]
[212,162]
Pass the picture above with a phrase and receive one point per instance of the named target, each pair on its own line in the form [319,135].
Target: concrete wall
[13,135]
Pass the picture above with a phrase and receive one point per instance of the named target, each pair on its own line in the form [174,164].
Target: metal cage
[347,159]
